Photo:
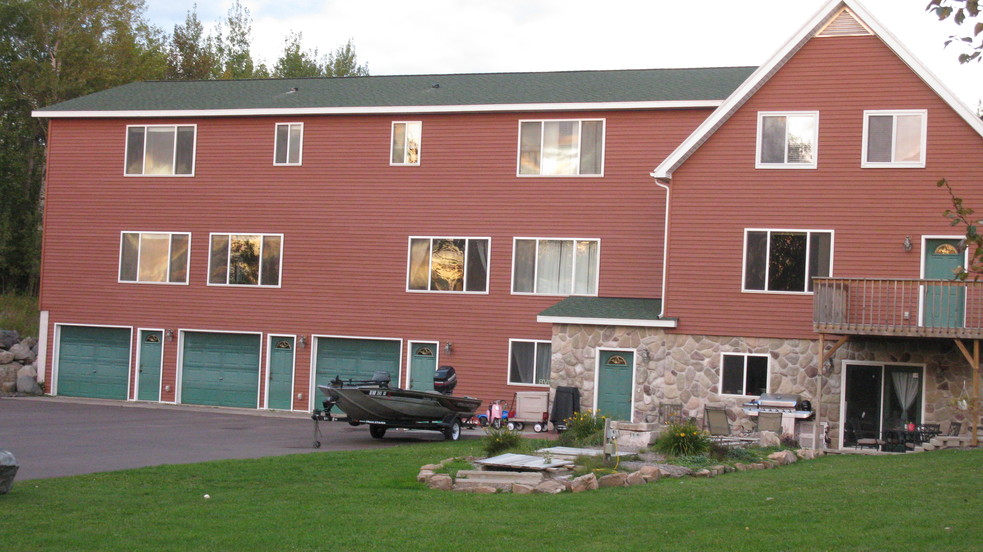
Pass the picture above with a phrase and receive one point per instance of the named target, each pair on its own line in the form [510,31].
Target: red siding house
[236,243]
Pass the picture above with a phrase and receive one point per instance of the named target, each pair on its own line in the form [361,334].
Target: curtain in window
[585,282]
[522,364]
[154,257]
[908,138]
[477,269]
[544,352]
[906,387]
[419,264]
[560,147]
[555,267]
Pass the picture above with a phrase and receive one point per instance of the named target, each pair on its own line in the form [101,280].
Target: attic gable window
[160,150]
[787,140]
[894,139]
[561,148]
[288,144]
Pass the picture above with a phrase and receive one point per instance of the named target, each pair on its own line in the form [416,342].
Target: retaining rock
[583,483]
[8,469]
[550,487]
[8,338]
[441,481]
[619,479]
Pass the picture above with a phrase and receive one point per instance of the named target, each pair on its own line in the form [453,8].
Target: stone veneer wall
[684,369]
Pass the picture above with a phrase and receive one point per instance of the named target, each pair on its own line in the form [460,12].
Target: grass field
[19,312]
[369,500]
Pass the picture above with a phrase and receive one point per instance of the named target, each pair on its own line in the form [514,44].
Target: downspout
[665,246]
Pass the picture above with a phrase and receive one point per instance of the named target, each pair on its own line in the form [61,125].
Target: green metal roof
[569,87]
[608,308]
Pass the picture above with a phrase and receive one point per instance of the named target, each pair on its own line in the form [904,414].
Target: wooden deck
[949,309]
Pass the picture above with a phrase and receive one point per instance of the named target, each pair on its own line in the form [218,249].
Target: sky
[488,36]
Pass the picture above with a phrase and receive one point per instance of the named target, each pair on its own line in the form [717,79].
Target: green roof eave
[607,311]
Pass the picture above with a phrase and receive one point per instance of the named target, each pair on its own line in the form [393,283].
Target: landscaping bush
[497,441]
[683,440]
[584,429]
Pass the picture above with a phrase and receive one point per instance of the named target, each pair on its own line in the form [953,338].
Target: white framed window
[561,148]
[743,374]
[406,140]
[288,144]
[448,264]
[154,257]
[786,261]
[552,266]
[529,362]
[894,139]
[160,150]
[787,140]
[245,259]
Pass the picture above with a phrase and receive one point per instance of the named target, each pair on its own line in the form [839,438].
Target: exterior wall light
[169,335]
[302,342]
[906,243]
[448,347]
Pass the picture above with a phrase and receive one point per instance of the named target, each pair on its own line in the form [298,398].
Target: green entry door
[281,378]
[94,362]
[220,369]
[423,364]
[943,305]
[614,392]
[148,379]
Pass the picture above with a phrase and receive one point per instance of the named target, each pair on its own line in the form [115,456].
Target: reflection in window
[448,264]
[529,362]
[148,257]
[288,144]
[555,148]
[946,249]
[555,267]
[406,143]
[778,260]
[164,150]
[245,259]
[787,140]
[894,138]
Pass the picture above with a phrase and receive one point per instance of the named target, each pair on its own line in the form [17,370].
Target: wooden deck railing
[895,307]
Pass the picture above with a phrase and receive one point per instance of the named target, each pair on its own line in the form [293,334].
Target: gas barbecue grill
[790,406]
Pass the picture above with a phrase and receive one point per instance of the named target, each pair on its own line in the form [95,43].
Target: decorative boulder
[8,338]
[6,357]
[584,483]
[619,479]
[769,439]
[8,469]
[22,352]
[27,380]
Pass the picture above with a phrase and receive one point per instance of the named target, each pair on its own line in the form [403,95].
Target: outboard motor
[445,380]
[381,378]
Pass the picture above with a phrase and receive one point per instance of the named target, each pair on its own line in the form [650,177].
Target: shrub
[500,440]
[585,428]
[683,440]
[740,454]
[789,442]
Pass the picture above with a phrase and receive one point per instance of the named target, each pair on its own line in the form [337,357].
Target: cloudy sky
[471,36]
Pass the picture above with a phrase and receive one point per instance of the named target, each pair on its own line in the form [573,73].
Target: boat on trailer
[381,407]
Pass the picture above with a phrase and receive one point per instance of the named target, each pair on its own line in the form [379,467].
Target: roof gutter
[665,244]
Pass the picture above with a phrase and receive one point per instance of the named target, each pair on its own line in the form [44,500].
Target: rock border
[589,482]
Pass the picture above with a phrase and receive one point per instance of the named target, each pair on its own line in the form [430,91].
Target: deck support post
[825,356]
[974,401]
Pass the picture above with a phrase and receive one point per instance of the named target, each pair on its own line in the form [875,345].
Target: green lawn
[369,500]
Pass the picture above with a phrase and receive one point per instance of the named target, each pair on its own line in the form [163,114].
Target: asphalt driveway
[55,437]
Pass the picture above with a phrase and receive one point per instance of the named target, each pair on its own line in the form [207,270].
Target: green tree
[962,12]
[233,48]
[344,63]
[296,62]
[191,53]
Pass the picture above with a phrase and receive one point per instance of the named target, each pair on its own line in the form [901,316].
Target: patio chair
[770,421]
[715,421]
[954,429]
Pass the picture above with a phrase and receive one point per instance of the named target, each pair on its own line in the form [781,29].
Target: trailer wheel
[453,431]
[354,423]
[377,431]
[317,444]
[511,426]
[497,423]
[539,428]
[519,426]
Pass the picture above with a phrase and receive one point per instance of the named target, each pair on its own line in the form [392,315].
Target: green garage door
[220,369]
[355,359]
[94,362]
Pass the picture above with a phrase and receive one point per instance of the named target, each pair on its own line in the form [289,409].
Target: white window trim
[535,274]
[119,265]
[808,232]
[194,152]
[895,164]
[758,164]
[409,250]
[300,145]
[508,363]
[767,358]
[228,252]
[392,134]
[518,148]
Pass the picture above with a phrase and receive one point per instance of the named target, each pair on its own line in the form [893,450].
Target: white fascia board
[583,321]
[762,74]
[370,110]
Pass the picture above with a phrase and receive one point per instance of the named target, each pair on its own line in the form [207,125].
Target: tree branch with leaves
[962,12]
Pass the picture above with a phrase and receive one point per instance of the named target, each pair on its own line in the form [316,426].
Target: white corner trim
[42,345]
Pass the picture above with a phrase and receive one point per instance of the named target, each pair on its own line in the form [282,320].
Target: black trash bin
[566,403]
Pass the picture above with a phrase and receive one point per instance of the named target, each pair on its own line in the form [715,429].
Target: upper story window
[245,259]
[787,140]
[895,138]
[743,374]
[288,144]
[555,266]
[154,257]
[561,148]
[786,260]
[160,150]
[529,361]
[406,143]
[448,264]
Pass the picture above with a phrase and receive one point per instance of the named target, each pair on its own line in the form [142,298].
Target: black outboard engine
[381,378]
[445,380]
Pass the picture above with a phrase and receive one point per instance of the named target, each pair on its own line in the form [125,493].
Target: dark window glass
[219,260]
[732,380]
[773,140]
[757,249]
[282,141]
[756,381]
[270,273]
[134,150]
[786,262]
[820,246]
[524,272]
[880,132]
[184,159]
[129,254]
[477,269]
